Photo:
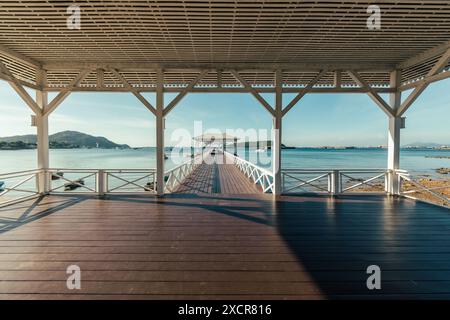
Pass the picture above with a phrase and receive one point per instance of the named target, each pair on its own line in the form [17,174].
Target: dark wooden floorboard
[232,246]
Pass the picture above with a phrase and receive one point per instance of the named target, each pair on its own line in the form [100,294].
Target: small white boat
[261,150]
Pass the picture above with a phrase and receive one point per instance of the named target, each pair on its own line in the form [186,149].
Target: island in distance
[60,140]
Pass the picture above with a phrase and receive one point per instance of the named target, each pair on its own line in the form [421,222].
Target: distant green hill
[61,140]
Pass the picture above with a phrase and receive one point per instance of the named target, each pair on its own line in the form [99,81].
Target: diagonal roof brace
[15,84]
[64,93]
[134,91]
[372,93]
[438,66]
[252,90]
[185,91]
[303,92]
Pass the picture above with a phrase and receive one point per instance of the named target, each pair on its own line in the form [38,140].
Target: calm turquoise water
[412,160]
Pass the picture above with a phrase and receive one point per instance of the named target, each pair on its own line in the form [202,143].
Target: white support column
[276,134]
[160,133]
[224,144]
[43,162]
[393,164]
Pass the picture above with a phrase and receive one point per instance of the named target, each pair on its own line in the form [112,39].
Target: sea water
[420,161]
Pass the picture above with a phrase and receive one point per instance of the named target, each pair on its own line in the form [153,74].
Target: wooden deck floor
[219,246]
[217,177]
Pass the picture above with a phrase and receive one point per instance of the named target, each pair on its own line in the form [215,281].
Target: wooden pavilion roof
[301,37]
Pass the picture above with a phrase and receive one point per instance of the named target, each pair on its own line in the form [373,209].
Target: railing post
[335,182]
[399,184]
[395,124]
[41,122]
[160,133]
[101,182]
[276,134]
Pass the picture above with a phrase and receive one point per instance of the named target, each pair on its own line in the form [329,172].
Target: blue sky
[319,119]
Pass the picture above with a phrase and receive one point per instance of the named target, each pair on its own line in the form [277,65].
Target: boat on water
[73,185]
[2,186]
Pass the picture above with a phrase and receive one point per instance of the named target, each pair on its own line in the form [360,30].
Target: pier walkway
[217,246]
[217,175]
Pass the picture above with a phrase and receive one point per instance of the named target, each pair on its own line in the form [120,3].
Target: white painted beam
[43,154]
[429,80]
[308,67]
[338,78]
[20,57]
[303,92]
[184,92]
[64,93]
[371,93]
[160,133]
[100,78]
[21,90]
[252,90]
[226,89]
[437,67]
[277,134]
[21,82]
[424,56]
[135,92]
[393,161]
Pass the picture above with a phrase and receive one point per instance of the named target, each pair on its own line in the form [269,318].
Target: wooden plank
[207,245]
[218,177]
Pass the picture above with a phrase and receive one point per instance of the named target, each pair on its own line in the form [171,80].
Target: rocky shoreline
[443,170]
[438,186]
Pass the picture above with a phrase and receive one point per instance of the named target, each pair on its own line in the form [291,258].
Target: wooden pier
[217,175]
[219,234]
[211,246]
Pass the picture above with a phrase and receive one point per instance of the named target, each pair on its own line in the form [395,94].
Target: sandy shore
[439,186]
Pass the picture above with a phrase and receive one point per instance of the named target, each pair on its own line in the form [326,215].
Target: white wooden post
[276,134]
[334,182]
[393,164]
[43,161]
[160,134]
[101,182]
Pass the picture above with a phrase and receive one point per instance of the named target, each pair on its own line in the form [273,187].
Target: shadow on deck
[221,246]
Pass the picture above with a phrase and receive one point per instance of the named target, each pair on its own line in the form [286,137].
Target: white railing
[127,181]
[24,185]
[303,180]
[363,180]
[260,176]
[19,186]
[411,187]
[332,181]
[63,180]
[58,181]
[174,177]
[101,181]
